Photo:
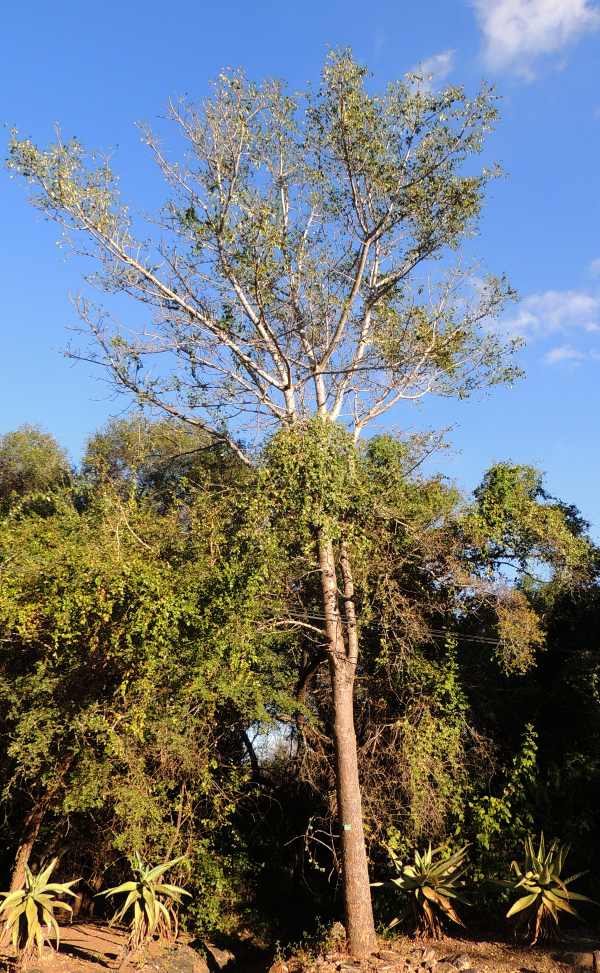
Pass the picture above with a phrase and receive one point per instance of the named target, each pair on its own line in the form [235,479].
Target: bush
[546,894]
[432,882]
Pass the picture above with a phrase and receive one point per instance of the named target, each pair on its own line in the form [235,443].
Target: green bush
[27,914]
[547,895]
[431,883]
[151,903]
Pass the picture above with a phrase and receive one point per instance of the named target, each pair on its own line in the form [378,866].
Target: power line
[300,616]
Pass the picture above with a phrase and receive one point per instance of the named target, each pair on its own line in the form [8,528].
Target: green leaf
[521,904]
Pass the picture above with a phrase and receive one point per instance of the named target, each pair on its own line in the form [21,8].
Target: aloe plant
[547,895]
[432,882]
[150,901]
[27,914]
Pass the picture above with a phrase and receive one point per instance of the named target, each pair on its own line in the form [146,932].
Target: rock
[222,957]
[445,967]
[585,960]
[463,962]
[460,961]
[176,959]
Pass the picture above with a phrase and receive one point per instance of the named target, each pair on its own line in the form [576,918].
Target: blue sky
[97,69]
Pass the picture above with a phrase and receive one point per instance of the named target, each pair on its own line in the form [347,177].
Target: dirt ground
[403,954]
[488,956]
[84,948]
[94,947]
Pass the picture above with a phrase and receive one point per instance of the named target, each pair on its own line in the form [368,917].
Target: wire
[297,615]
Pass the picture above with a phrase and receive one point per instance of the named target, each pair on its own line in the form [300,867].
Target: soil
[84,948]
[95,947]
[404,954]
[489,956]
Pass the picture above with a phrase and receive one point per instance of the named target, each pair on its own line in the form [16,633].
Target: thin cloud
[552,312]
[517,32]
[563,353]
[595,267]
[433,70]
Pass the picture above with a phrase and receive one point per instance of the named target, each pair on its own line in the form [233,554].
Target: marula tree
[304,267]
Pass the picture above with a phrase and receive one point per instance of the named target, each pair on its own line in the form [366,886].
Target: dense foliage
[163,693]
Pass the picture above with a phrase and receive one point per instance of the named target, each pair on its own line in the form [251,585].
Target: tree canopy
[162,689]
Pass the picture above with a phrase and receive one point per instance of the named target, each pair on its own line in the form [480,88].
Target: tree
[163,460]
[131,668]
[30,461]
[440,584]
[303,270]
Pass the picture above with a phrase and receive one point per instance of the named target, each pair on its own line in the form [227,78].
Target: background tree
[304,270]
[31,461]
[445,608]
[164,461]
[131,669]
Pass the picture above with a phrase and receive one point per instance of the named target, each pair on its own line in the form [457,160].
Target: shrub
[27,914]
[547,895]
[431,882]
[151,902]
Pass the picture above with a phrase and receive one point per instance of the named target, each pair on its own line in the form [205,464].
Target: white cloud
[564,353]
[516,32]
[552,312]
[434,69]
[567,353]
[595,267]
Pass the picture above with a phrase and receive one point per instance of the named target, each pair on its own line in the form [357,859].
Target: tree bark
[342,652]
[33,823]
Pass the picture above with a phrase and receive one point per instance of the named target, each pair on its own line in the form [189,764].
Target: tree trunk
[343,654]
[33,823]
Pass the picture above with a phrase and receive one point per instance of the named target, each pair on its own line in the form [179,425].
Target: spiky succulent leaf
[125,887]
[433,881]
[149,902]
[27,914]
[522,903]
[547,893]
